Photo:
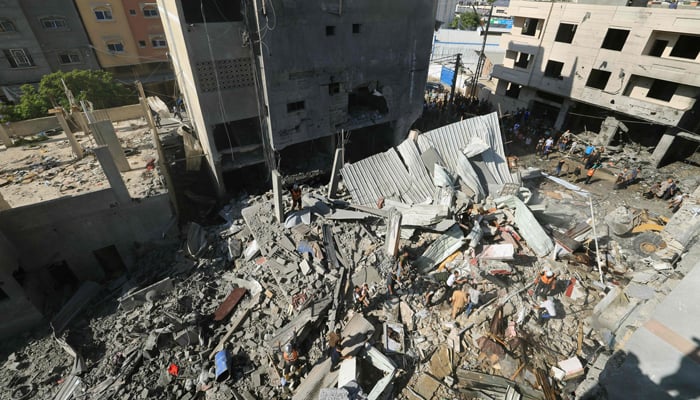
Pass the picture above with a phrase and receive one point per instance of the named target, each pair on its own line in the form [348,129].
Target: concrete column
[393,237]
[661,148]
[4,205]
[4,137]
[565,105]
[335,173]
[77,149]
[113,176]
[105,135]
[277,195]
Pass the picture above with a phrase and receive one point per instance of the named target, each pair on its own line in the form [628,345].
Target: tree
[470,21]
[99,87]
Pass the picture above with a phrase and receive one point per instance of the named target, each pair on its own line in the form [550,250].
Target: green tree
[470,21]
[99,87]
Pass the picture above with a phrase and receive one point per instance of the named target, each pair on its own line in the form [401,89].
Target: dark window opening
[243,132]
[19,58]
[513,90]
[530,26]
[598,79]
[686,47]
[296,106]
[550,97]
[362,101]
[142,43]
[62,275]
[333,88]
[565,33]
[355,28]
[132,12]
[523,60]
[199,11]
[3,295]
[330,30]
[69,58]
[662,90]
[553,69]
[615,39]
[657,49]
[110,261]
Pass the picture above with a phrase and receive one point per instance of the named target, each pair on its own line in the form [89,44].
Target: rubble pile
[221,314]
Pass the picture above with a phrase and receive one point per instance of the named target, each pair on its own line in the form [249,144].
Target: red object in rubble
[173,369]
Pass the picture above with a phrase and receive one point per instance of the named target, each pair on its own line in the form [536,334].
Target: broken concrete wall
[72,228]
[17,312]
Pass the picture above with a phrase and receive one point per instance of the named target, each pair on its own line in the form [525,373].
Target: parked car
[434,87]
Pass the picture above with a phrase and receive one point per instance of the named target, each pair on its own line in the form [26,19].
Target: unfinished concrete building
[575,64]
[265,81]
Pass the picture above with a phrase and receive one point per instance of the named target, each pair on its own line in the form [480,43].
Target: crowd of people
[668,190]
[439,111]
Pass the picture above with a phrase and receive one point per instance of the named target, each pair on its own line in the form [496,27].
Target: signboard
[502,23]
[446,76]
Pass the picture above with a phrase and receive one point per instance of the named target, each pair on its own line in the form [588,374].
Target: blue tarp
[446,76]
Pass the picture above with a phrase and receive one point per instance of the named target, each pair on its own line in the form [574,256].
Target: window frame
[160,38]
[4,23]
[150,7]
[105,10]
[70,54]
[25,54]
[115,43]
[53,18]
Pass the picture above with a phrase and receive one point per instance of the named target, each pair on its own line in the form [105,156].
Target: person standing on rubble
[453,280]
[458,299]
[560,165]
[474,294]
[390,283]
[296,196]
[589,174]
[545,282]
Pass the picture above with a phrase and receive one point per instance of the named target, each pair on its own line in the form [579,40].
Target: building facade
[263,79]
[639,62]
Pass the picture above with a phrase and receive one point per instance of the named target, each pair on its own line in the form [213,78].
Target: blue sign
[446,76]
[502,23]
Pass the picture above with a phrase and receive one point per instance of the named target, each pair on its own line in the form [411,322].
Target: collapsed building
[209,315]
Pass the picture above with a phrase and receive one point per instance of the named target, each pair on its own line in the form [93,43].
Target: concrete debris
[395,288]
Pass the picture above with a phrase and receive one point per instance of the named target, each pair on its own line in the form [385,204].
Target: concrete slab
[355,334]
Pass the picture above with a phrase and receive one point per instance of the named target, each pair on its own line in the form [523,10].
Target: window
[657,49]
[662,90]
[158,41]
[132,12]
[296,106]
[615,39]
[54,23]
[6,26]
[18,58]
[197,11]
[513,90]
[103,14]
[333,88]
[355,28]
[686,47]
[523,60]
[598,79]
[150,11]
[142,43]
[530,26]
[553,69]
[69,58]
[330,30]
[115,47]
[565,33]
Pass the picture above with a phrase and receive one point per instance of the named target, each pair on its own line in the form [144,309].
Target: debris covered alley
[442,268]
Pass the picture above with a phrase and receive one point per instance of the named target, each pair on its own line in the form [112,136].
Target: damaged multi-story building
[271,84]
[576,64]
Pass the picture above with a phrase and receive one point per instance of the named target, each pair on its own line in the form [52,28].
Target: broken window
[523,60]
[296,106]
[615,39]
[565,33]
[200,11]
[662,90]
[239,133]
[363,100]
[553,69]
[111,261]
[18,58]
[530,26]
[686,46]
[657,49]
[330,30]
[355,28]
[333,88]
[69,58]
[598,79]
[513,90]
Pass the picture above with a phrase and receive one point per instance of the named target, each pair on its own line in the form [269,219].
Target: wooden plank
[229,303]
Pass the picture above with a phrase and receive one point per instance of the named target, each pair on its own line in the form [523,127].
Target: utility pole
[482,56]
[458,63]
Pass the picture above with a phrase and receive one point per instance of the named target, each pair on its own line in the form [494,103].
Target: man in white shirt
[548,309]
[474,294]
